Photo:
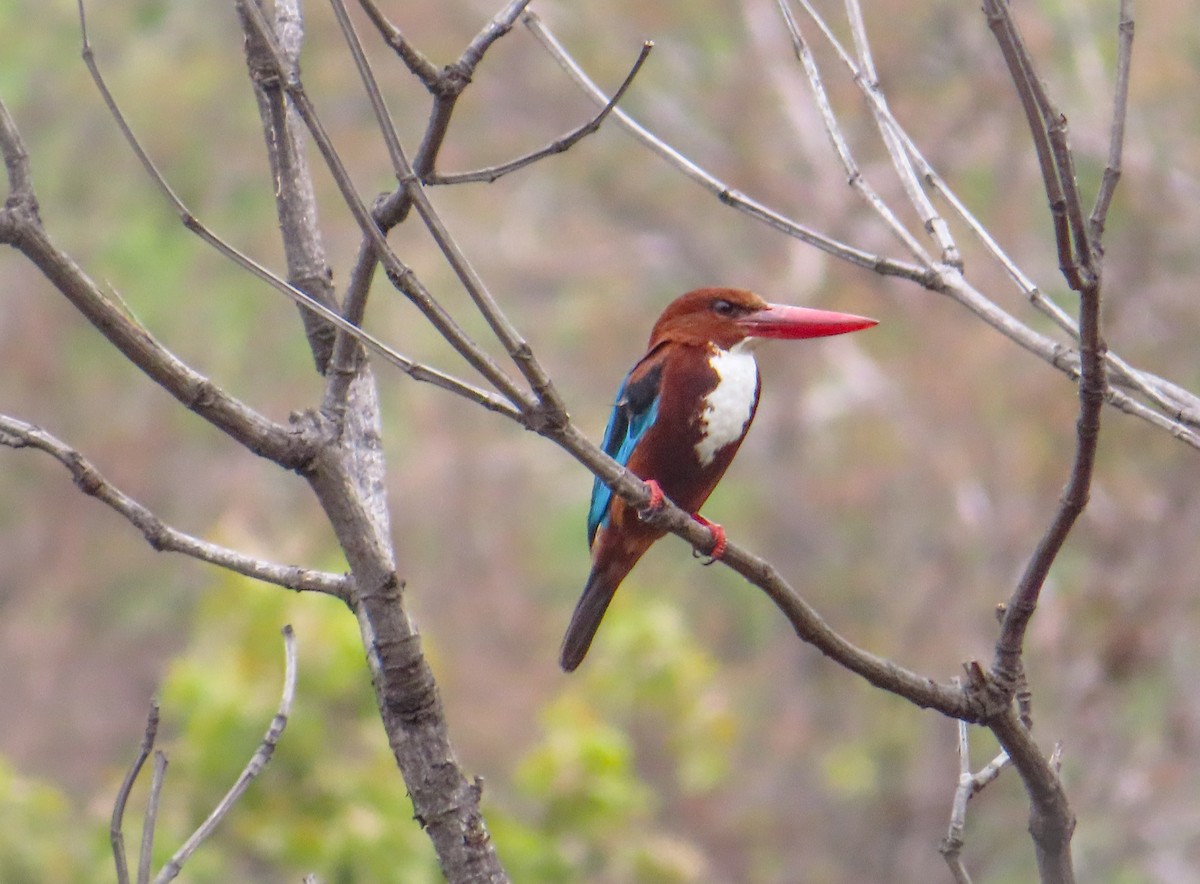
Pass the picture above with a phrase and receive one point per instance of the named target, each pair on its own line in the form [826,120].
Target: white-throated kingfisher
[677,422]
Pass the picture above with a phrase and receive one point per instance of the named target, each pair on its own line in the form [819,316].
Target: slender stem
[726,194]
[841,148]
[505,331]
[1116,142]
[399,273]
[559,145]
[146,856]
[116,835]
[258,761]
[162,537]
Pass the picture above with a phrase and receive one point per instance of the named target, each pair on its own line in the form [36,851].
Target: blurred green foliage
[331,800]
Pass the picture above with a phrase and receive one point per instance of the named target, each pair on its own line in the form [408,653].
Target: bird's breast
[728,407]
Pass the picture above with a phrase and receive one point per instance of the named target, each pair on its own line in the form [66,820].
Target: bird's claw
[718,536]
[656,498]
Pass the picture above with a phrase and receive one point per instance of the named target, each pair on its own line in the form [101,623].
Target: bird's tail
[589,611]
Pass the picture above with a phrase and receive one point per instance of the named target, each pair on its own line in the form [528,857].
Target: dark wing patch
[634,412]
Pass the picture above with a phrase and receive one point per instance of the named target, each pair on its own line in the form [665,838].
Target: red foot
[718,535]
[656,495]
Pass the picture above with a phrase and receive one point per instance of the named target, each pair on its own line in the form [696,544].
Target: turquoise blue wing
[634,412]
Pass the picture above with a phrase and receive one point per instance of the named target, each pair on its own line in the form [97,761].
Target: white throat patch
[728,407]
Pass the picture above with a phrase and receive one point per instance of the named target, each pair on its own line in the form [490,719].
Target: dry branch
[162,537]
[115,831]
[557,146]
[258,761]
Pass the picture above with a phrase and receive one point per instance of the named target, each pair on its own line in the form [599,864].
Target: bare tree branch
[1116,143]
[21,227]
[349,480]
[399,273]
[116,835]
[559,145]
[296,205]
[258,761]
[150,823]
[415,370]
[1076,256]
[841,148]
[709,182]
[516,346]
[445,86]
[1178,405]
[162,537]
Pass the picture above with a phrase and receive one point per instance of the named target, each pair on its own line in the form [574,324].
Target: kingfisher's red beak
[785,321]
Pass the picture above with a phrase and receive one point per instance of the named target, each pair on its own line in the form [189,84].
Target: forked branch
[258,761]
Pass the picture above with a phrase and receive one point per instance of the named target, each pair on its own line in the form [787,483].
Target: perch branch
[804,619]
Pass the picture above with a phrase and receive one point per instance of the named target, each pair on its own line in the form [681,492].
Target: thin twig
[398,272]
[16,159]
[516,346]
[415,370]
[1179,405]
[890,130]
[952,845]
[116,836]
[146,857]
[16,433]
[421,67]
[559,145]
[723,192]
[1116,142]
[969,785]
[255,766]
[499,25]
[1040,117]
[841,148]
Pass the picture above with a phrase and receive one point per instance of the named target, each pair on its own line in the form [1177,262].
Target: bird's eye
[721,307]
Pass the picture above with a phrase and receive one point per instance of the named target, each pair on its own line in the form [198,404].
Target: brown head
[725,317]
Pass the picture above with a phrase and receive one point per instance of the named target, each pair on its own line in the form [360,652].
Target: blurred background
[898,478]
